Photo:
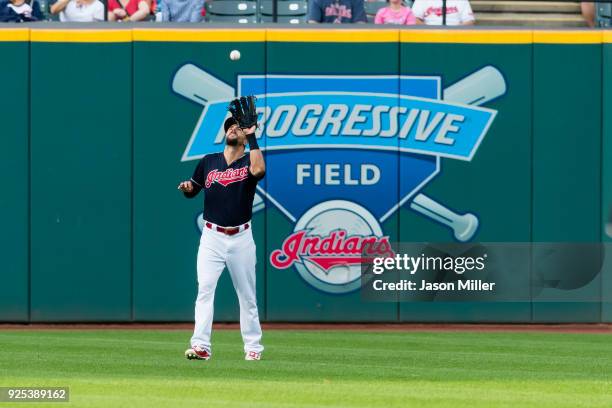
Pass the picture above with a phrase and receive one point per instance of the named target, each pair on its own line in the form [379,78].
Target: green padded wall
[165,234]
[567,168]
[495,185]
[289,297]
[81,172]
[14,179]
[606,165]
[95,146]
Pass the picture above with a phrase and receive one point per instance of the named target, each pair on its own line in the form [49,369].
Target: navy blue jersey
[228,190]
[336,11]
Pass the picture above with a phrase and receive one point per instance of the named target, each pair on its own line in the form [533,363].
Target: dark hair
[229,122]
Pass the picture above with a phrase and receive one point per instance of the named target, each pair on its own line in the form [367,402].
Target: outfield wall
[96,138]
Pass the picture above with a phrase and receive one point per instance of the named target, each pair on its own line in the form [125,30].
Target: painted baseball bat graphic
[199,86]
[475,89]
[464,226]
[478,88]
[202,88]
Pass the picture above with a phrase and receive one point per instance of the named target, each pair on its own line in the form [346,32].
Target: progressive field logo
[335,147]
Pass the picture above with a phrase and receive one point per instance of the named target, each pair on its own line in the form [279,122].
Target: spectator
[588,12]
[395,13]
[183,11]
[18,11]
[336,11]
[458,12]
[130,10]
[81,11]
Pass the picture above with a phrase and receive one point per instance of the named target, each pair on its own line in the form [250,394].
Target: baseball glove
[243,111]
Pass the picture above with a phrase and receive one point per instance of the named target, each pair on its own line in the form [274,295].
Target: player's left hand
[185,186]
[243,110]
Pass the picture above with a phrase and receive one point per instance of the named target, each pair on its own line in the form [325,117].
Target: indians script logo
[226,177]
[340,150]
[337,249]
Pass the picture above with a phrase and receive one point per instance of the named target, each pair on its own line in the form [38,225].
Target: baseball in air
[235,55]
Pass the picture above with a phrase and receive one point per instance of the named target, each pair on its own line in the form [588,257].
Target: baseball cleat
[252,356]
[197,353]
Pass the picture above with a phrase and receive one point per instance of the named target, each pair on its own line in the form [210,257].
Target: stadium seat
[284,19]
[285,8]
[45,7]
[372,7]
[604,9]
[232,8]
[603,14]
[216,18]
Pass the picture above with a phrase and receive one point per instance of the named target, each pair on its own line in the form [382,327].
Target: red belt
[227,230]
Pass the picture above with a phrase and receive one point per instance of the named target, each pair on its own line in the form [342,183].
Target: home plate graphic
[332,143]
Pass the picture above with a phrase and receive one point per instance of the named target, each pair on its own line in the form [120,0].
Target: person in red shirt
[130,10]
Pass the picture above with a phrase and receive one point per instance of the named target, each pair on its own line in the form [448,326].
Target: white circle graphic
[321,220]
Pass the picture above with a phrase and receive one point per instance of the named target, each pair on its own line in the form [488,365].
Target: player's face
[235,136]
[231,136]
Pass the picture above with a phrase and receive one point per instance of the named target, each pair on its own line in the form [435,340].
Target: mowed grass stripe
[316,369]
[383,350]
[332,394]
[334,340]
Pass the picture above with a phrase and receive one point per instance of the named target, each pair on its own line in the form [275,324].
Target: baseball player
[228,179]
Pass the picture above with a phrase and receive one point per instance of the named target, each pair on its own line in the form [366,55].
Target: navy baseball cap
[228,123]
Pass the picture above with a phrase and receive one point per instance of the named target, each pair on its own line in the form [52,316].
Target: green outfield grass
[130,368]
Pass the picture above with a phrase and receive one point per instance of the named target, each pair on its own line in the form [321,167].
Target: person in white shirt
[81,11]
[458,12]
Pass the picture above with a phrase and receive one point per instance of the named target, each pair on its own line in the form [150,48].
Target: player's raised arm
[244,112]
[258,164]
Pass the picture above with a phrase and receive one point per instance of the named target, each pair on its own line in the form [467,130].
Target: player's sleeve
[359,14]
[198,178]
[314,11]
[254,177]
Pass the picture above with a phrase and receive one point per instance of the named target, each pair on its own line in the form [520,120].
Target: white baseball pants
[237,252]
